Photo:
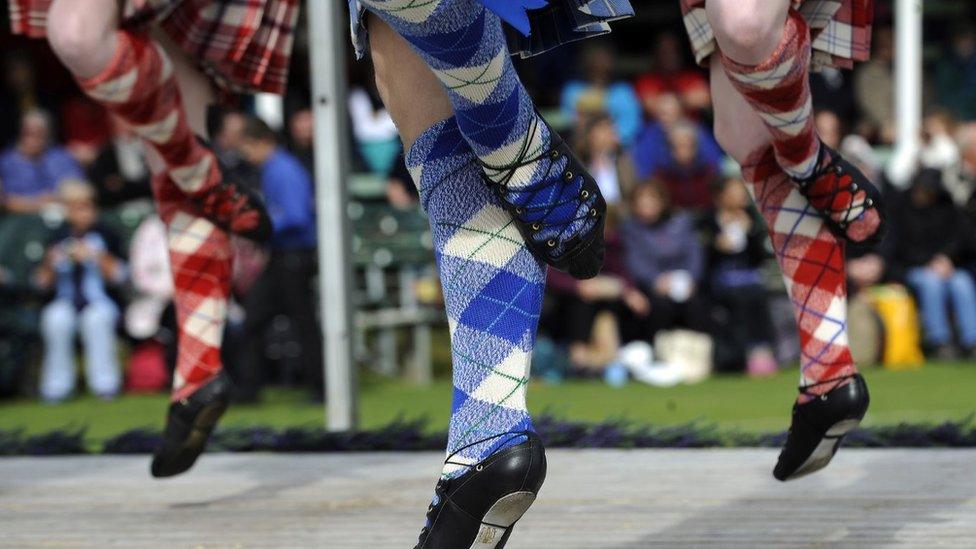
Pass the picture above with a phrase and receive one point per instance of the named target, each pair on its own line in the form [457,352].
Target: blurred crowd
[688,263]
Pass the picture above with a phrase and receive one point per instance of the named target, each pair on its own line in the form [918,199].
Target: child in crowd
[736,244]
[81,267]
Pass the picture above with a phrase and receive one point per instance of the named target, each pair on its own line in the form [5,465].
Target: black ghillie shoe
[819,426]
[561,216]
[851,206]
[479,509]
[189,423]
[235,207]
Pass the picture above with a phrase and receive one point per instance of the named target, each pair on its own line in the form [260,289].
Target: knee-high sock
[464,44]
[139,86]
[201,260]
[778,89]
[812,261]
[493,291]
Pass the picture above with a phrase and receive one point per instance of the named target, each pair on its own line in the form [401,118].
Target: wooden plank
[603,498]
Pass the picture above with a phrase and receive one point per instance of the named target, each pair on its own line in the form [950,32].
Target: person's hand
[637,302]
[867,270]
[81,252]
[662,284]
[600,288]
[942,266]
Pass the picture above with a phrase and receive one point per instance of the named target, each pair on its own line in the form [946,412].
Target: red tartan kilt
[244,46]
[840,30]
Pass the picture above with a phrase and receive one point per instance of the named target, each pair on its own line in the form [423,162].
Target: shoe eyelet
[551,243]
[519,211]
[838,169]
[554,154]
[568,176]
[585,194]
[594,213]
[184,402]
[869,203]
[823,397]
[536,227]
[479,468]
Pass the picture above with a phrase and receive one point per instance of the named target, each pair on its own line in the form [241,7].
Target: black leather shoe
[479,509]
[235,207]
[819,427]
[562,216]
[189,423]
[844,196]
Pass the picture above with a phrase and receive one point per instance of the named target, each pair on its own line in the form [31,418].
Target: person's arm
[290,185]
[27,204]
[627,112]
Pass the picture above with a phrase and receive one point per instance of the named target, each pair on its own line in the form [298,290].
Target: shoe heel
[500,518]
[841,428]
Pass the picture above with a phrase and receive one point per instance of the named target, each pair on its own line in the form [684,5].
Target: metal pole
[908,90]
[327,42]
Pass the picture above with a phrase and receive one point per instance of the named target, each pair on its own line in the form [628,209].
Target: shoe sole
[826,449]
[496,525]
[196,441]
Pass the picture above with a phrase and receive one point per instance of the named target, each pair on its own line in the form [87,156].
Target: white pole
[908,90]
[327,42]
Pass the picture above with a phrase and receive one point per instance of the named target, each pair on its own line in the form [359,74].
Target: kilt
[529,32]
[840,30]
[243,45]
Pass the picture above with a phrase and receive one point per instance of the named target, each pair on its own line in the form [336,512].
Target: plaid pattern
[840,29]
[812,262]
[778,90]
[493,291]
[561,22]
[244,45]
[201,261]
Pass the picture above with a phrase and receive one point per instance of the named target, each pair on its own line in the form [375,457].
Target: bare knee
[747,30]
[81,34]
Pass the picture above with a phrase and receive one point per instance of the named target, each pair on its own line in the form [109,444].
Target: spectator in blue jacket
[285,286]
[665,259]
[598,92]
[31,169]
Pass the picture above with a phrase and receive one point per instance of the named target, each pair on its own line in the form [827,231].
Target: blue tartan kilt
[561,22]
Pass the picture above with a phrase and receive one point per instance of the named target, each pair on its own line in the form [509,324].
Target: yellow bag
[902,347]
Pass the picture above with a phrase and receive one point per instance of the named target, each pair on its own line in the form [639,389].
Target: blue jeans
[60,321]
[935,295]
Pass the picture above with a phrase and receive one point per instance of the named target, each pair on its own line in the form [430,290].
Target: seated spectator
[375,133]
[599,92]
[688,177]
[20,94]
[955,73]
[665,259]
[594,314]
[600,150]
[81,268]
[120,172]
[736,244]
[670,74]
[286,283]
[651,151]
[301,138]
[32,168]
[931,234]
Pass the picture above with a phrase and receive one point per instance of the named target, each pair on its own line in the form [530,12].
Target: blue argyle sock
[492,292]
[464,44]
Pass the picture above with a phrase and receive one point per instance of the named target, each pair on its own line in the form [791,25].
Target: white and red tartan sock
[778,89]
[201,261]
[812,261]
[139,86]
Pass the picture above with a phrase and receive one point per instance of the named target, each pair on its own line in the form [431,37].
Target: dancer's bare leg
[748,31]
[738,129]
[81,33]
[414,96]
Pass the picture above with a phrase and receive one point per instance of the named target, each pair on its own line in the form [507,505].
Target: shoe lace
[444,483]
[546,214]
[225,203]
[837,182]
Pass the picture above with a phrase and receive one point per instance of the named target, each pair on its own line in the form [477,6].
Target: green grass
[935,393]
